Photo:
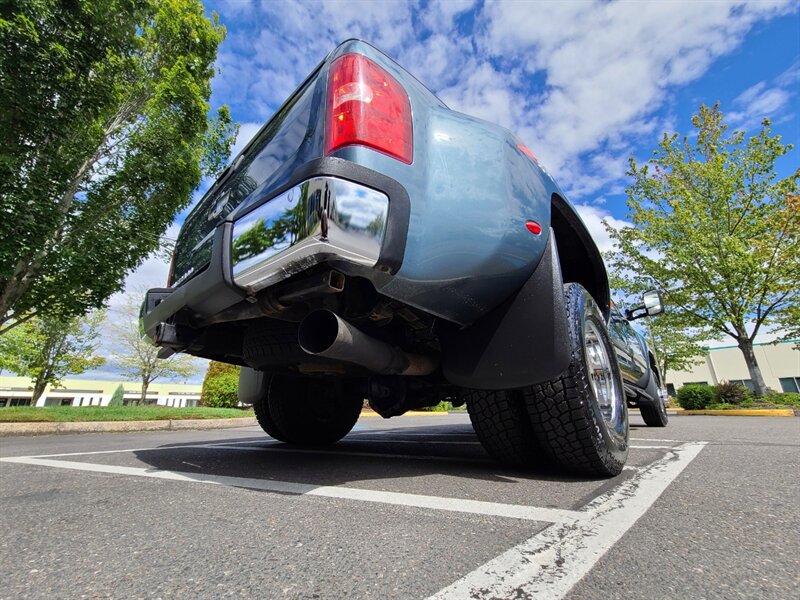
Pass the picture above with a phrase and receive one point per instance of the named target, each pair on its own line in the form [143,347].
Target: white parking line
[514,511]
[223,445]
[547,565]
[652,447]
[550,563]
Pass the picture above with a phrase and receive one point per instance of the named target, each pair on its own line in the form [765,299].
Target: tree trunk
[39,385]
[143,397]
[746,346]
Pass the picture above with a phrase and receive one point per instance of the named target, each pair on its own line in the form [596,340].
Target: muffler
[323,333]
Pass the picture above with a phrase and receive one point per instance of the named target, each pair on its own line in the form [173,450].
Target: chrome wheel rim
[601,376]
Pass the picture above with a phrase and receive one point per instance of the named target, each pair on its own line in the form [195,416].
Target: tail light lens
[367,107]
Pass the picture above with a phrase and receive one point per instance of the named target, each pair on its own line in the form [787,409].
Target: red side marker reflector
[533,227]
[527,152]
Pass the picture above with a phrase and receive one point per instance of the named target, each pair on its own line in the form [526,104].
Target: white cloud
[608,67]
[387,24]
[765,99]
[441,13]
[151,273]
[484,92]
[594,172]
[593,217]
[123,306]
[601,70]
[439,60]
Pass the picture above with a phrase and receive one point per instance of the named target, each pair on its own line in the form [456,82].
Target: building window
[15,402]
[696,383]
[790,384]
[671,389]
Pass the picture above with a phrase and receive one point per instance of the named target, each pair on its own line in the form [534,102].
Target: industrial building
[17,391]
[779,363]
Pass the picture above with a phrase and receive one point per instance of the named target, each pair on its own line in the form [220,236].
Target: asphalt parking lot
[405,508]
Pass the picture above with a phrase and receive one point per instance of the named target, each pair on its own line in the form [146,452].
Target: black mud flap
[252,385]
[521,342]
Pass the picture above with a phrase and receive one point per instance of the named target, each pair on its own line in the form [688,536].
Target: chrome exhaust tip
[324,333]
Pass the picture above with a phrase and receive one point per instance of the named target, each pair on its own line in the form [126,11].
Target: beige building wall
[95,392]
[779,363]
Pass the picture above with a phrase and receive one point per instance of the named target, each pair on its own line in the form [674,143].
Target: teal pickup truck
[370,242]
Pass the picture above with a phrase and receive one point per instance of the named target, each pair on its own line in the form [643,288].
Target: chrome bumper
[321,219]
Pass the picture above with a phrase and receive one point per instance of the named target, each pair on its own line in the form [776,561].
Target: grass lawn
[116,413]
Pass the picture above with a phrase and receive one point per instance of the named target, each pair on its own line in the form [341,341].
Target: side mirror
[652,305]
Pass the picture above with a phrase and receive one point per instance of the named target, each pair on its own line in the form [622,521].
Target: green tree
[220,386]
[676,349]
[104,134]
[676,346]
[118,397]
[136,358]
[790,324]
[716,231]
[48,349]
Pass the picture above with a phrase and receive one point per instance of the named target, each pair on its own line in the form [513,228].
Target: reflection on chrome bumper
[321,219]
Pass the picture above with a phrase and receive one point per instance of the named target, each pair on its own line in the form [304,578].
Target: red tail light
[367,107]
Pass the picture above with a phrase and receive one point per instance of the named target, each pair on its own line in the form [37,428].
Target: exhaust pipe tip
[323,333]
[318,331]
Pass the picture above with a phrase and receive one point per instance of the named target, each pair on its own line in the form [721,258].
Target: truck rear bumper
[320,219]
[333,210]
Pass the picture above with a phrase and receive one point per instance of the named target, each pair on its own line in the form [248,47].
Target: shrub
[695,396]
[443,406]
[118,396]
[220,386]
[729,392]
[782,398]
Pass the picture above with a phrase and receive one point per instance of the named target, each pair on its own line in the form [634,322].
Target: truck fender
[520,342]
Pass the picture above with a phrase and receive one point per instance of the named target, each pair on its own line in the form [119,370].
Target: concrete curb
[64,427]
[411,413]
[739,412]
[49,428]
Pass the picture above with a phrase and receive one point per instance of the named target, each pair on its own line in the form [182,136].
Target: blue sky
[585,84]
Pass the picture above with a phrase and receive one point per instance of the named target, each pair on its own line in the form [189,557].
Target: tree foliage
[118,397]
[104,133]
[788,322]
[716,231]
[137,358]
[220,386]
[677,346]
[48,349]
